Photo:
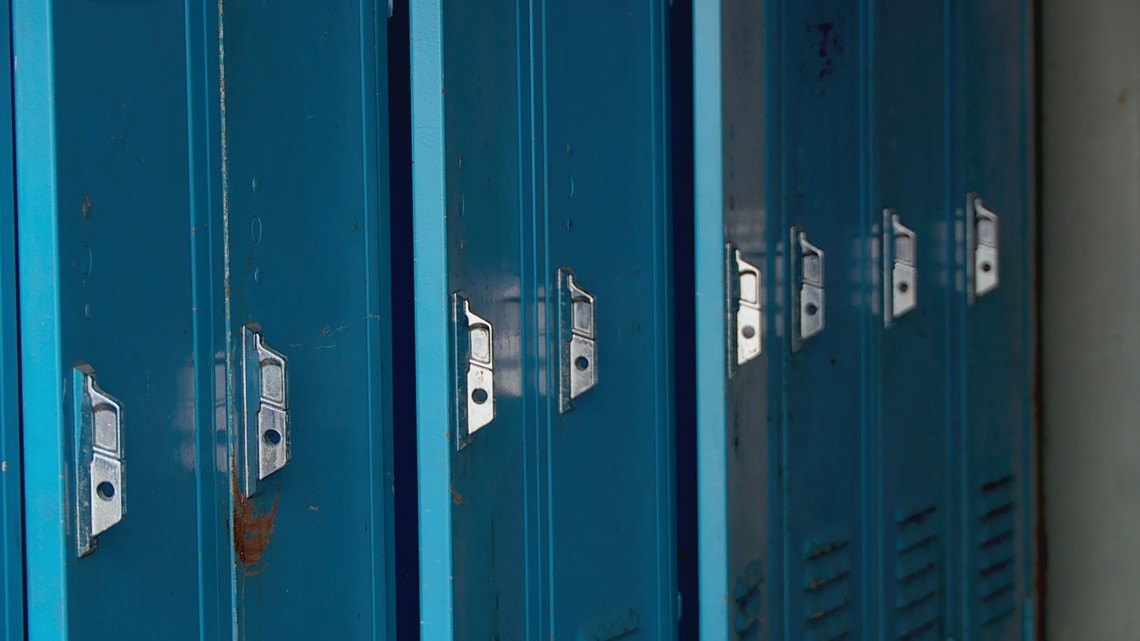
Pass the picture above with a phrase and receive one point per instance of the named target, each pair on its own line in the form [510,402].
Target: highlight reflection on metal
[473,349]
[900,271]
[745,334]
[99,486]
[577,344]
[982,242]
[808,298]
[265,384]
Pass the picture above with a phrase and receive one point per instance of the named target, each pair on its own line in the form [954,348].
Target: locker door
[608,319]
[737,346]
[303,127]
[824,252]
[993,181]
[907,207]
[106,320]
[11,519]
[481,487]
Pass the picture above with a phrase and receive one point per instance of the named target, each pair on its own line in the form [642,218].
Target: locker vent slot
[918,575]
[748,595]
[827,585]
[996,598]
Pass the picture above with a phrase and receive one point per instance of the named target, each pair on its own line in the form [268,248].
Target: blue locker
[293,318]
[544,370]
[11,517]
[106,320]
[738,349]
[991,190]
[907,460]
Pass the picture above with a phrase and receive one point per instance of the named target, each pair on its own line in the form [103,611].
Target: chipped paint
[253,529]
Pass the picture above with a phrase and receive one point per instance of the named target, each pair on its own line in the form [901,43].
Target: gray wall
[1091,307]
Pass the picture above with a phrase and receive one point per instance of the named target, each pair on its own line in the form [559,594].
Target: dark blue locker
[293,316]
[106,320]
[908,455]
[821,138]
[11,511]
[991,190]
[543,330]
[738,397]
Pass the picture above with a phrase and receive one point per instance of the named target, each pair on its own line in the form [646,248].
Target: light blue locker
[106,320]
[543,333]
[289,117]
[992,193]
[11,510]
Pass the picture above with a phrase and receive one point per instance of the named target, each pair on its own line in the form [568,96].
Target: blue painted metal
[11,468]
[105,273]
[911,370]
[546,154]
[302,97]
[734,80]
[606,212]
[992,109]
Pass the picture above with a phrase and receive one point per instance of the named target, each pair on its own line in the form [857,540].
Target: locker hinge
[745,312]
[807,288]
[982,244]
[577,341]
[265,446]
[900,268]
[99,470]
[474,357]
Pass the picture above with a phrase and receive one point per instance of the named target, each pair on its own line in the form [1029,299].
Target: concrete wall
[1091,307]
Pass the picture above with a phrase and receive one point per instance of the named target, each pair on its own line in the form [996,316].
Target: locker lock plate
[900,268]
[982,243]
[807,288]
[577,341]
[266,446]
[745,311]
[100,470]
[474,358]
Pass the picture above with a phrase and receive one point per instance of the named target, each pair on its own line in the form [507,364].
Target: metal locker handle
[100,464]
[807,288]
[982,242]
[900,268]
[577,341]
[474,356]
[267,443]
[745,309]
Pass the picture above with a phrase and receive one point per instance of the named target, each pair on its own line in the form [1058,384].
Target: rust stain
[456,497]
[1123,97]
[253,530]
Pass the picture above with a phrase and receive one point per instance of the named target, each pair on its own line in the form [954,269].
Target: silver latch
[745,333]
[99,468]
[474,371]
[982,241]
[576,339]
[900,268]
[265,383]
[807,288]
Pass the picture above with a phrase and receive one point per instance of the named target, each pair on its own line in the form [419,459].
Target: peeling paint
[253,529]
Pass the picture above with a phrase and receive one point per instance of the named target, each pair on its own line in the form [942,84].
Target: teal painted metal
[11,468]
[301,94]
[546,156]
[105,273]
[877,481]
[911,367]
[992,157]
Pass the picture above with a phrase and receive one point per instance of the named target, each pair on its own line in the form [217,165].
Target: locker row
[485,320]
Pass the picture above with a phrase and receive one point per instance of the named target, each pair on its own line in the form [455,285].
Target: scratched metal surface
[304,209]
[105,279]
